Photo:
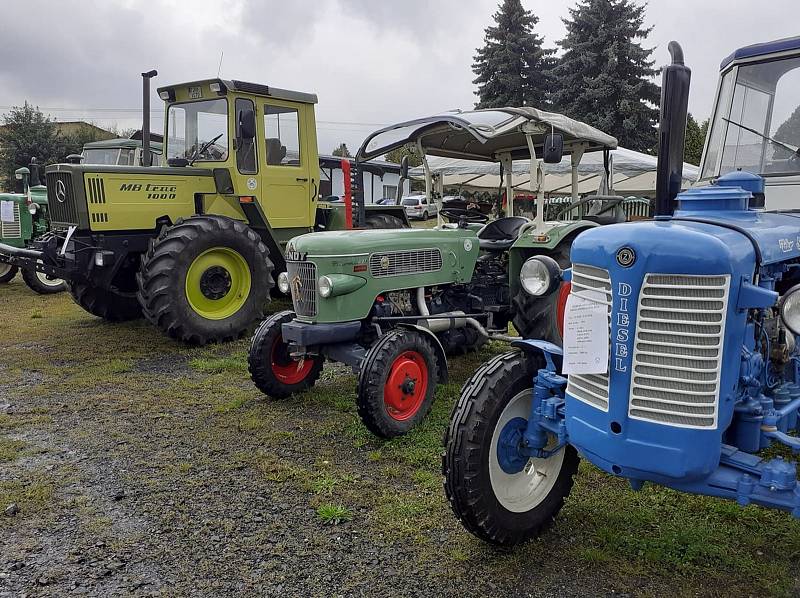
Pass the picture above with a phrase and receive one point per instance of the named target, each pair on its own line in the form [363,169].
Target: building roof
[786,44]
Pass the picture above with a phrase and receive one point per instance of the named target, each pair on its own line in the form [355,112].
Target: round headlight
[325,286]
[283,283]
[790,310]
[540,275]
[32,207]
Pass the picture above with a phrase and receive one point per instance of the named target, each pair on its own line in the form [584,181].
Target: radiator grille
[678,350]
[12,230]
[395,263]
[303,284]
[591,388]
[95,190]
[61,198]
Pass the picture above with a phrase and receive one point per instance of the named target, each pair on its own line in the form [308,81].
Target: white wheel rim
[523,491]
[48,282]
[4,268]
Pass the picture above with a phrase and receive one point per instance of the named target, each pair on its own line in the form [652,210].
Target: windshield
[411,201]
[109,156]
[757,122]
[198,131]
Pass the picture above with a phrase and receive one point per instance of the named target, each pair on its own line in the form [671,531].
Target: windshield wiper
[791,148]
[204,147]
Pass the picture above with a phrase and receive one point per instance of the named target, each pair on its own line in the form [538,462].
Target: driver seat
[613,216]
[501,234]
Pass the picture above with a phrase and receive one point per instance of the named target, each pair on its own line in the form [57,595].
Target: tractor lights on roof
[283,283]
[540,275]
[790,310]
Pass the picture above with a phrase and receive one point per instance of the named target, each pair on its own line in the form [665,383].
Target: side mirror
[247,124]
[553,149]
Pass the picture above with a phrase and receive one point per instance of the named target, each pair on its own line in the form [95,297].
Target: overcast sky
[371,62]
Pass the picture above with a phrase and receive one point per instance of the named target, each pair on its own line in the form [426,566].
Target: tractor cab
[756,122]
[494,139]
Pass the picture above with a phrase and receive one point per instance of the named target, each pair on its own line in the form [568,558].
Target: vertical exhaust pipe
[672,131]
[146,160]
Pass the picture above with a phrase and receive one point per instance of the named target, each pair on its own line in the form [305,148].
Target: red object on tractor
[348,194]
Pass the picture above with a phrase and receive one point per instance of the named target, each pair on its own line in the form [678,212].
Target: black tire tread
[157,296]
[104,303]
[371,380]
[259,359]
[34,284]
[471,502]
[9,276]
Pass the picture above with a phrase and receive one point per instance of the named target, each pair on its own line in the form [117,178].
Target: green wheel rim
[218,283]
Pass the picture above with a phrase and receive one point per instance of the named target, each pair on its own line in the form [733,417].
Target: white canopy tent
[633,173]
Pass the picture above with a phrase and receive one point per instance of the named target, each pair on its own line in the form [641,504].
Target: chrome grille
[303,284]
[61,198]
[591,388]
[677,353]
[12,230]
[395,263]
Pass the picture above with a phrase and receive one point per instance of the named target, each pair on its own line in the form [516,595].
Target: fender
[553,237]
[441,358]
[552,353]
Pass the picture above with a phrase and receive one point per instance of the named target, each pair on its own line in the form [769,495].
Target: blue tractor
[680,360]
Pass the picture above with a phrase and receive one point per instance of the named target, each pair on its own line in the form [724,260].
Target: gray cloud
[370,61]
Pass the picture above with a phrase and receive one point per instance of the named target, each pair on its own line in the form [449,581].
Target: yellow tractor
[192,244]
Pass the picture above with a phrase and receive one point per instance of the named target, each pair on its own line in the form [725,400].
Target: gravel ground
[138,466]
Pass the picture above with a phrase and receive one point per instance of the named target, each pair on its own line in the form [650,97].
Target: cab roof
[787,44]
[484,134]
[258,89]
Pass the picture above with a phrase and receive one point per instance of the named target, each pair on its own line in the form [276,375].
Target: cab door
[289,177]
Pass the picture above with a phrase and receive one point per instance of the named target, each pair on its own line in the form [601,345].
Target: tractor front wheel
[271,367]
[114,306]
[397,383]
[206,279]
[498,494]
[42,283]
[7,272]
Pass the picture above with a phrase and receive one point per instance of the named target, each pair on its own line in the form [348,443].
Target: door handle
[301,180]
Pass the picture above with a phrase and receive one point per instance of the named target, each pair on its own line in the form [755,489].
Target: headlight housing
[790,310]
[325,286]
[32,208]
[283,283]
[540,275]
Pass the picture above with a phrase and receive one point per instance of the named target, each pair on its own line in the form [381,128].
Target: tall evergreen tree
[695,140]
[604,76]
[513,68]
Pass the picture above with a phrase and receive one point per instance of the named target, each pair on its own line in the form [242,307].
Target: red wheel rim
[406,386]
[286,369]
[563,295]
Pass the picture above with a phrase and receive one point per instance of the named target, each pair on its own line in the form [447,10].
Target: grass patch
[232,364]
[331,514]
[10,450]
[29,497]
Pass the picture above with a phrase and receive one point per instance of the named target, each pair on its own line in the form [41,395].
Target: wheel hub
[406,386]
[509,456]
[215,283]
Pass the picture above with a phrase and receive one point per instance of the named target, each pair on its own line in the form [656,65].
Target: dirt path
[144,467]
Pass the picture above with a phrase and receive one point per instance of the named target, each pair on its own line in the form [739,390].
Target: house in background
[380,179]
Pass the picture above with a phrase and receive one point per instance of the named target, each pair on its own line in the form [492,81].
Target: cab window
[282,130]
[245,148]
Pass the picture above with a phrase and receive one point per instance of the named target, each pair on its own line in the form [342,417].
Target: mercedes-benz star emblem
[61,191]
[626,257]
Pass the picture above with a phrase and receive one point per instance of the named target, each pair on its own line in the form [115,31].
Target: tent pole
[508,170]
[575,159]
[536,174]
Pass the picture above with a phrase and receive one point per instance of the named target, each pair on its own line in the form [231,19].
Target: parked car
[386,201]
[417,206]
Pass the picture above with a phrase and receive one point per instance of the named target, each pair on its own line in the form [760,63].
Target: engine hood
[346,242]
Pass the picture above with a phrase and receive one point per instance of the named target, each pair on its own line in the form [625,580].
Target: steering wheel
[612,201]
[467,214]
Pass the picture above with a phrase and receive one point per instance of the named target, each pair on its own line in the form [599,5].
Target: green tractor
[393,304]
[23,217]
[193,245]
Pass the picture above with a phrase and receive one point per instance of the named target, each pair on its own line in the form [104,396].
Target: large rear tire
[110,305]
[7,272]
[541,318]
[41,283]
[397,383]
[207,279]
[271,367]
[517,500]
